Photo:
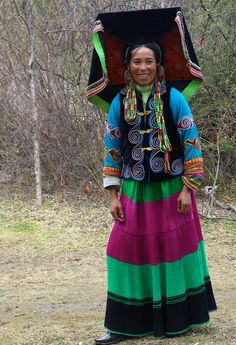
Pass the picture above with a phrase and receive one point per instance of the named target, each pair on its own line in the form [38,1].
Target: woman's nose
[143,66]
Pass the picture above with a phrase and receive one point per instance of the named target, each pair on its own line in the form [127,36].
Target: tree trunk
[36,138]
[35,114]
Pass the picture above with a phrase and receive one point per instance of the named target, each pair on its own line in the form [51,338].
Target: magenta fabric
[154,232]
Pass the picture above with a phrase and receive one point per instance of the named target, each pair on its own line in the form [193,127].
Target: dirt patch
[53,276]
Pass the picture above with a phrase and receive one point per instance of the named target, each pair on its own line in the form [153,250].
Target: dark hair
[151,45]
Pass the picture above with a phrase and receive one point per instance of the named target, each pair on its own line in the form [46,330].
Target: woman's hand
[184,200]
[117,210]
[116,207]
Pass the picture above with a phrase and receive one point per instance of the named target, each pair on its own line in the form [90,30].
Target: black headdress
[113,32]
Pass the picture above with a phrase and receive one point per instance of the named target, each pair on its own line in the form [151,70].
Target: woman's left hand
[184,200]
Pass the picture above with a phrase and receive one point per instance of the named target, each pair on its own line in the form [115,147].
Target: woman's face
[143,66]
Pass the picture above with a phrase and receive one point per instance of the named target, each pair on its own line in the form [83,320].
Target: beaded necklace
[130,113]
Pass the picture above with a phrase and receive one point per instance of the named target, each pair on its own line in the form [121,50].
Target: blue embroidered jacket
[132,149]
[142,159]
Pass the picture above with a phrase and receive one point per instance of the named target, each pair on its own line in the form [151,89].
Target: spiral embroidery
[151,104]
[153,120]
[134,136]
[185,123]
[137,153]
[127,172]
[138,171]
[157,164]
[154,141]
[177,166]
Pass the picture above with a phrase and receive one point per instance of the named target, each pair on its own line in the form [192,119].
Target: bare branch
[215,22]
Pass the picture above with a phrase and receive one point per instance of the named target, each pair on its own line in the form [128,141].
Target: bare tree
[27,17]
[47,93]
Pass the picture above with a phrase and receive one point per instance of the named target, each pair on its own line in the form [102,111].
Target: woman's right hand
[116,207]
[117,210]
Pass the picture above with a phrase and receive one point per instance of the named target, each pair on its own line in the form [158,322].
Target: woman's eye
[137,62]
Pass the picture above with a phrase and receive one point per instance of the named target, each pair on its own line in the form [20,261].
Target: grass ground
[53,275]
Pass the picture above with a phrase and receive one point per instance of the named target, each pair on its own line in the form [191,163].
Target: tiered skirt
[158,280]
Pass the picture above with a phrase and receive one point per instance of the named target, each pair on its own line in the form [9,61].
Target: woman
[158,281]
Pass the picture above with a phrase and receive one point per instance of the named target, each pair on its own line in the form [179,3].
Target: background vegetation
[44,65]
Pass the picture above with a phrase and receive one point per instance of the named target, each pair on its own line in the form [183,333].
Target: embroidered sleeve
[112,161]
[193,175]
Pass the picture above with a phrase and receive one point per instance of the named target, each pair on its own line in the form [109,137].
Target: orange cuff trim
[110,171]
[193,161]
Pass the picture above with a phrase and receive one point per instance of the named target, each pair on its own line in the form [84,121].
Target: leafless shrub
[72,130]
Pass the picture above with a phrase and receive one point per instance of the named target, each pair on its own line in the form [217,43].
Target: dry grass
[53,275]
